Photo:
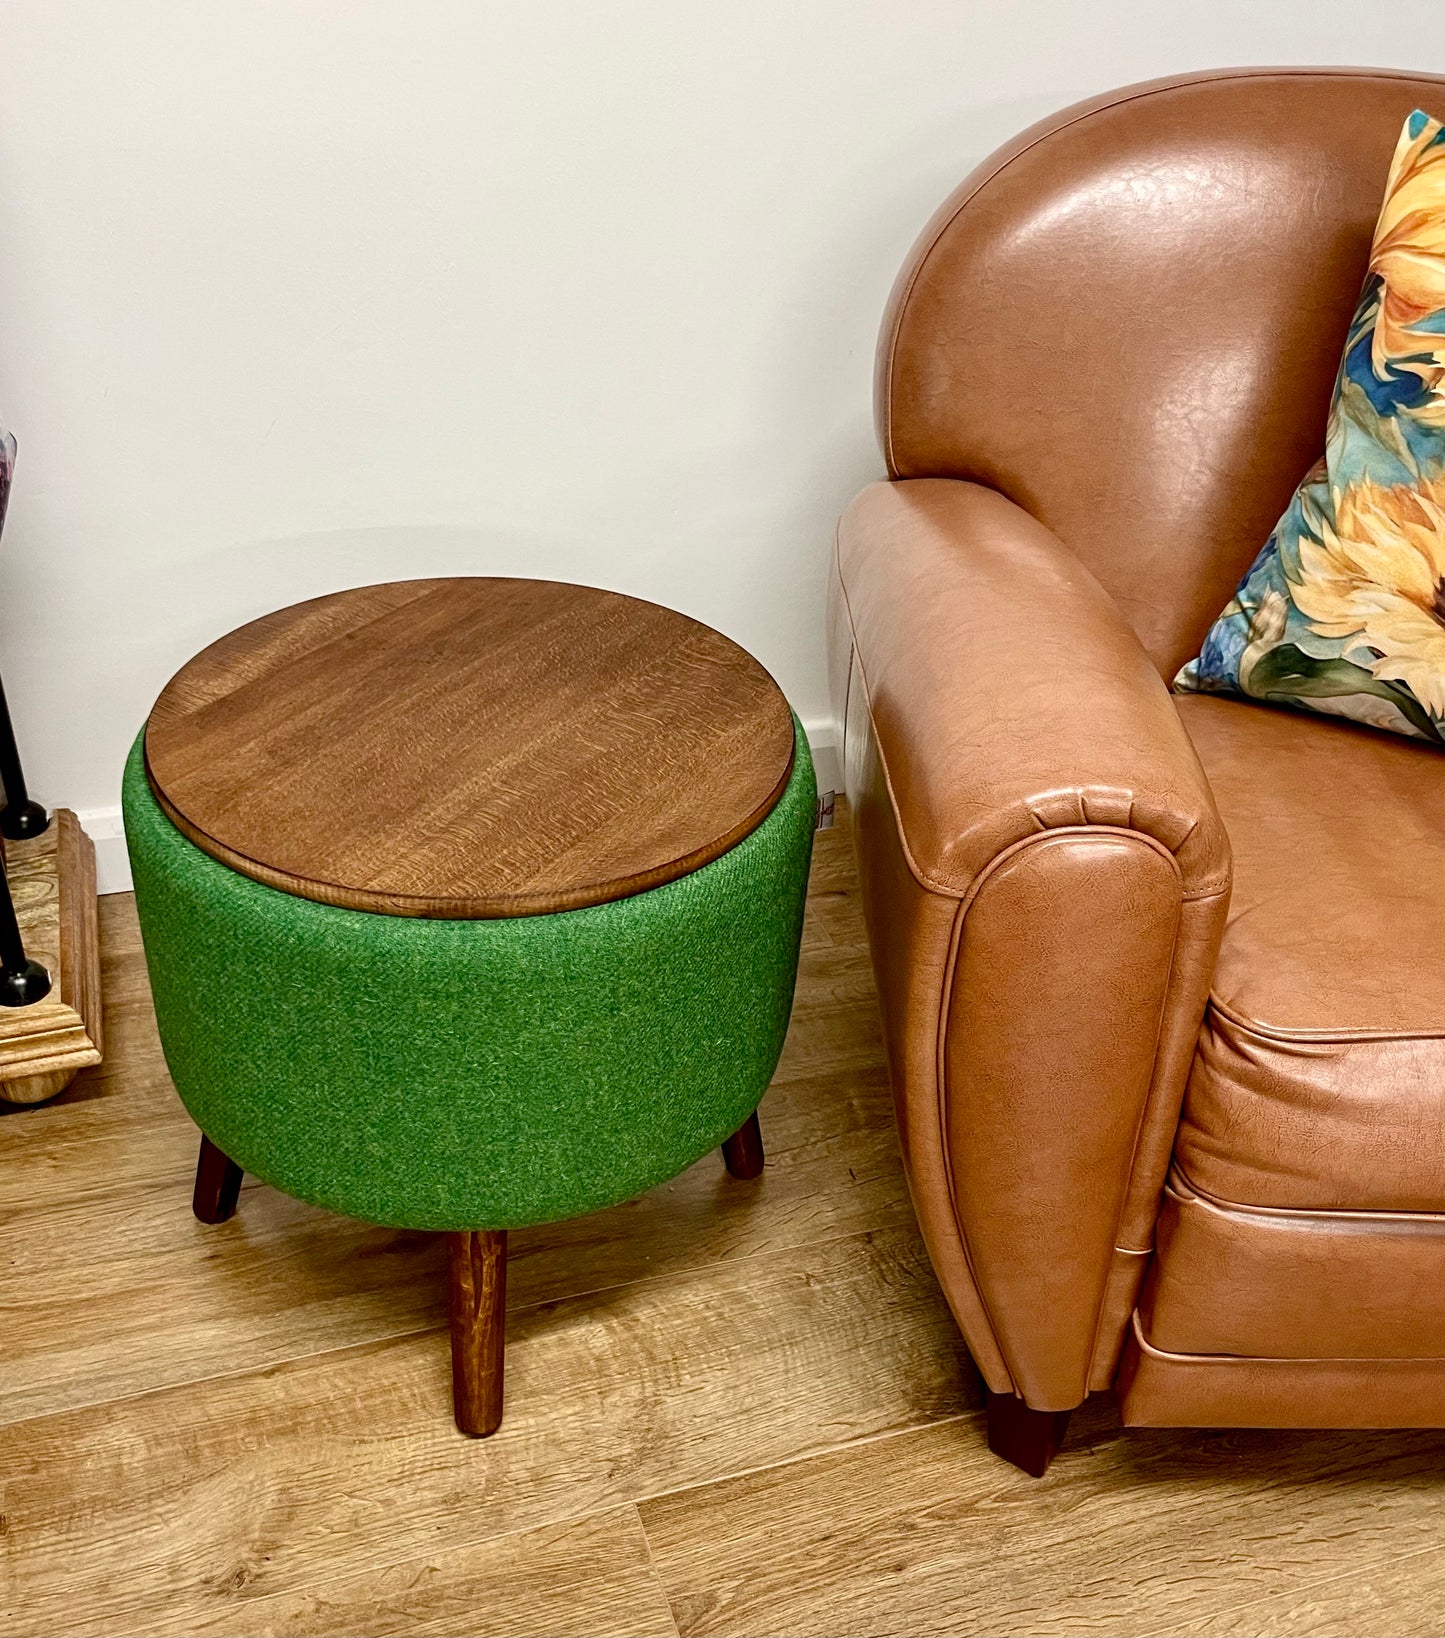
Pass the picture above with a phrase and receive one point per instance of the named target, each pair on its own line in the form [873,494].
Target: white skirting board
[824,743]
[112,867]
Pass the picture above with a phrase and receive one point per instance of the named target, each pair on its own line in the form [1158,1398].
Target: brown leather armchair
[1162,978]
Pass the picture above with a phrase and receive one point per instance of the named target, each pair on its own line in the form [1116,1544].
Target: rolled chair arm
[1045,879]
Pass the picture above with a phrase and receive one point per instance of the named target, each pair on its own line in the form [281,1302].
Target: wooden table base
[478,1266]
[743,1151]
[218,1185]
[477,1274]
[43,1046]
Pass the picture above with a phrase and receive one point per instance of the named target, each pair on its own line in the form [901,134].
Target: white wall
[296,294]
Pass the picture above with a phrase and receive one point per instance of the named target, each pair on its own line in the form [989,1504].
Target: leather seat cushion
[1319,1082]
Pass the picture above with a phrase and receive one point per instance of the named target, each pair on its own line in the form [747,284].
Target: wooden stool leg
[1028,1438]
[218,1184]
[743,1151]
[478,1302]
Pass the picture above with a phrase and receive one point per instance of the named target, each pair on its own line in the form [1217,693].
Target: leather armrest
[1007,691]
[1045,880]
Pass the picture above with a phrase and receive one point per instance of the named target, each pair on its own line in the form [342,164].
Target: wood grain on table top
[469,747]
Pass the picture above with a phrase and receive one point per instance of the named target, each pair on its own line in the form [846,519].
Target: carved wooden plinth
[52,881]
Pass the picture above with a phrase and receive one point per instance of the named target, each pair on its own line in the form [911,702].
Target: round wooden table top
[469,747]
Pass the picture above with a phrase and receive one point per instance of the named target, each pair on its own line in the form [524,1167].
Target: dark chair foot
[1028,1438]
[478,1260]
[743,1151]
[218,1185]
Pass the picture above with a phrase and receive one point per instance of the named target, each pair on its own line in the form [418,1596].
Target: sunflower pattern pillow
[1344,609]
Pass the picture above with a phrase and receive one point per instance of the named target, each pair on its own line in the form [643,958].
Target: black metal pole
[21,980]
[20,817]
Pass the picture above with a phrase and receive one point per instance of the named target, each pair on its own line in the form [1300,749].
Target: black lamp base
[20,986]
[18,824]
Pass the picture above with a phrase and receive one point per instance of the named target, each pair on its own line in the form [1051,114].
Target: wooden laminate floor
[731,1408]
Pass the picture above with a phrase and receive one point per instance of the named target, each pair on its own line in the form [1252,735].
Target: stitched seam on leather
[1177,84]
[1163,1013]
[1273,1032]
[965,901]
[920,876]
[968,893]
[946,989]
[1143,1118]
[1005,855]
[1226,1207]
[955,939]
[1206,890]
[1153,1087]
[1371,1363]
[945,1007]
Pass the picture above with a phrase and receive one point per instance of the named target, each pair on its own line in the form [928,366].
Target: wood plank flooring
[732,1408]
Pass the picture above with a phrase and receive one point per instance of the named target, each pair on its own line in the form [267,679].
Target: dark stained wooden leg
[743,1151]
[1028,1438]
[478,1299]
[218,1184]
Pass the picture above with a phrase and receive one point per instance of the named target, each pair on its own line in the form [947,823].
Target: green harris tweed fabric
[472,1074]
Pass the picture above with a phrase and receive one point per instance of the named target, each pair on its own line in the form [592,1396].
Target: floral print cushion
[1344,609]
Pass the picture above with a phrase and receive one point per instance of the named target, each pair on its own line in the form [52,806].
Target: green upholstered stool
[470,905]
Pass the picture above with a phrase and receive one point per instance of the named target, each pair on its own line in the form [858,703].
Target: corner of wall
[823,742]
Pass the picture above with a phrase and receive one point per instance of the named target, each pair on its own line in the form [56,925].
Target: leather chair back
[1129,320]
